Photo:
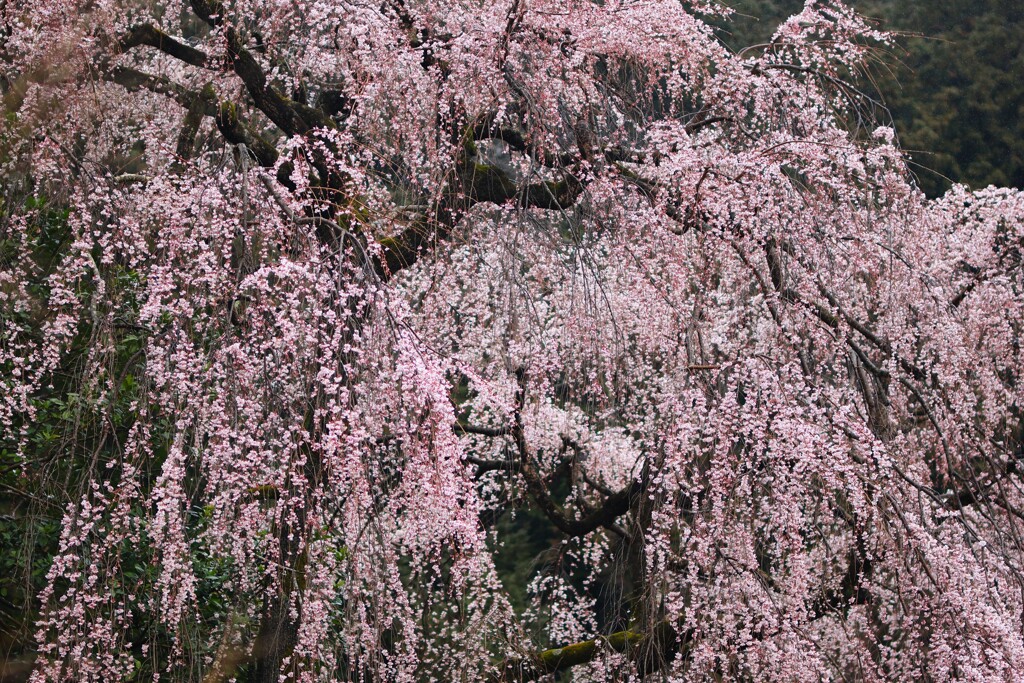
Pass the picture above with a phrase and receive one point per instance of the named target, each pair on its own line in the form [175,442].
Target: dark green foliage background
[954,84]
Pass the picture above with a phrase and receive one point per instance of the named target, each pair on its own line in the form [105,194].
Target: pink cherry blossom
[397,270]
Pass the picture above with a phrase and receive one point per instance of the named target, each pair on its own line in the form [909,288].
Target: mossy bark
[648,651]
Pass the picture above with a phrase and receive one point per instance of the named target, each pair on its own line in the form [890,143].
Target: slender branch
[826,316]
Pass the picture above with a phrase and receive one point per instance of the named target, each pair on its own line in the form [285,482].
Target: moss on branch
[648,651]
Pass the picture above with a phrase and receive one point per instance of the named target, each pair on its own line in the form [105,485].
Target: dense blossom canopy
[341,283]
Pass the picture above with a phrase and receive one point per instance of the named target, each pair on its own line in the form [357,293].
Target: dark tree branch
[210,11]
[488,183]
[420,38]
[475,183]
[147,34]
[293,118]
[134,80]
[485,129]
[199,105]
[405,249]
[825,315]
[485,465]
[237,133]
[465,428]
[197,109]
[613,507]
